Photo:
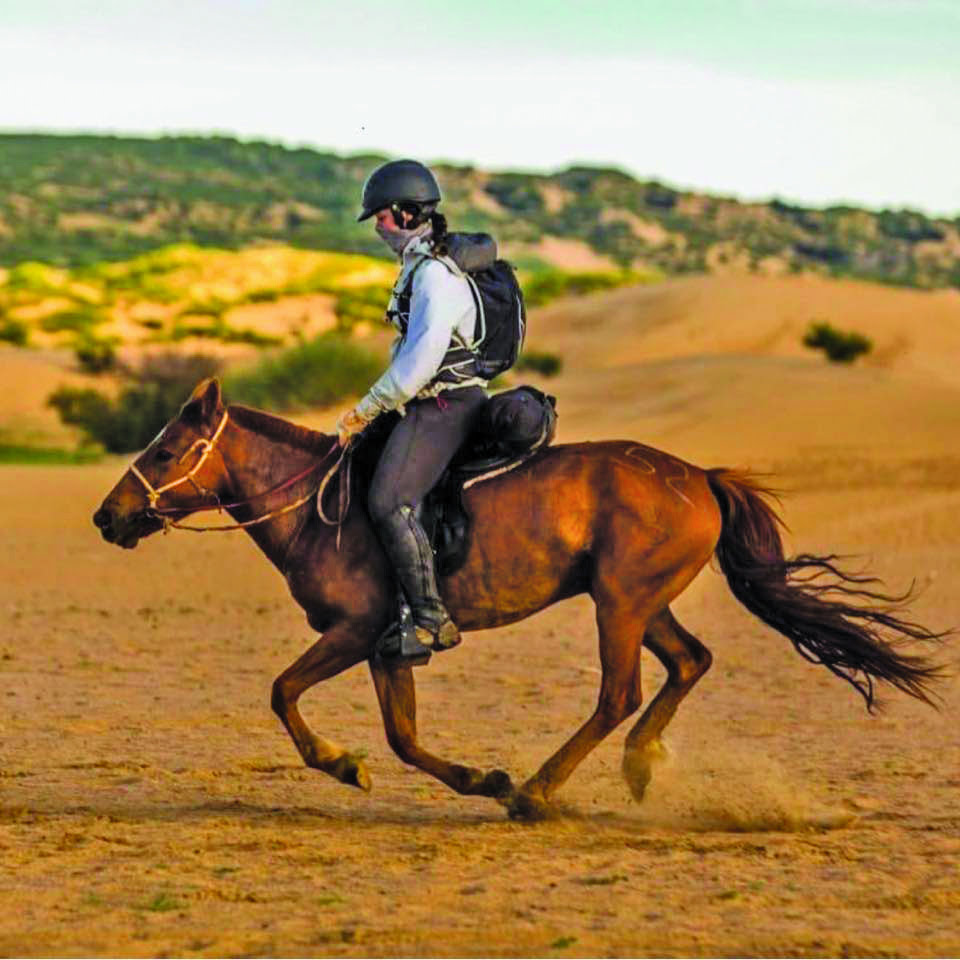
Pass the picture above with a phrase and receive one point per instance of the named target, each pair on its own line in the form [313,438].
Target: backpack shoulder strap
[454,268]
[405,279]
[451,265]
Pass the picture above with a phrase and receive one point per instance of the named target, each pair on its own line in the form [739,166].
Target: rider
[432,380]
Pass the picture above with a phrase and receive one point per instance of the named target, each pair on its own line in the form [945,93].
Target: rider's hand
[349,425]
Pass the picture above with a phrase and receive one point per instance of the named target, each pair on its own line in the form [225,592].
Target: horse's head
[179,472]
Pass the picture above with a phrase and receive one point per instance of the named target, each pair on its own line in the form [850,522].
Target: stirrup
[400,644]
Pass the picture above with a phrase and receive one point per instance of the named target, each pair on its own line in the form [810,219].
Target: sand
[151,804]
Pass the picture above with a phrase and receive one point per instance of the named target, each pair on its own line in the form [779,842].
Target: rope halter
[206,447]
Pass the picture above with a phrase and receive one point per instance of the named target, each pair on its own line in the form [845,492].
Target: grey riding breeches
[420,447]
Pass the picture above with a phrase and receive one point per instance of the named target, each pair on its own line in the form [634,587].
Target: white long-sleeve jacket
[441,306]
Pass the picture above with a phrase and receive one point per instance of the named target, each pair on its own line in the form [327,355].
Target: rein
[166,514]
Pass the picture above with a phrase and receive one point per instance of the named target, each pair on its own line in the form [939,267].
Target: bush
[517,192]
[314,374]
[908,225]
[247,335]
[37,278]
[156,391]
[14,331]
[840,347]
[72,321]
[548,285]
[215,307]
[216,328]
[358,304]
[95,354]
[46,456]
[548,364]
[263,296]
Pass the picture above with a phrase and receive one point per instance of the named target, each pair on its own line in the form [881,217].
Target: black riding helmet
[405,184]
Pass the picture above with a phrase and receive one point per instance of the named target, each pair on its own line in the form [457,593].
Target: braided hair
[438,222]
[418,214]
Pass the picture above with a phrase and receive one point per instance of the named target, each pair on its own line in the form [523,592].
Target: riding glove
[350,423]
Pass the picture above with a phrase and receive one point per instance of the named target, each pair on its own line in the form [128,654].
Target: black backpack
[501,313]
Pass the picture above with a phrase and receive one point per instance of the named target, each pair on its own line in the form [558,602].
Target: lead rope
[343,498]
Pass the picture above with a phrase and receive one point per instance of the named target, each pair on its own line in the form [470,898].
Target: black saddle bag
[513,423]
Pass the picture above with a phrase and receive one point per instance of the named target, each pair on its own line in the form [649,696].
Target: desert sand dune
[151,804]
[914,332]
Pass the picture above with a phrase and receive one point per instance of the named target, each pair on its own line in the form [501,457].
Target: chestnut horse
[628,524]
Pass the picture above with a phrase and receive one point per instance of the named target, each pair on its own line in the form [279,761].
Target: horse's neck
[256,464]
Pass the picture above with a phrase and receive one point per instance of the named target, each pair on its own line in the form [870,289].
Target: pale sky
[815,101]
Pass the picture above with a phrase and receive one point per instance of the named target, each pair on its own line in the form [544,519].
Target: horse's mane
[283,431]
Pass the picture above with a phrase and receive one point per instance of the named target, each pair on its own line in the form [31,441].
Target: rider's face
[385,219]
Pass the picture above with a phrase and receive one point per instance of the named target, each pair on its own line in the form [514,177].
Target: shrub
[216,328]
[14,331]
[517,192]
[543,287]
[313,374]
[839,346]
[72,321]
[247,335]
[25,454]
[154,394]
[95,354]
[357,304]
[215,307]
[908,225]
[548,364]
[263,296]
[37,278]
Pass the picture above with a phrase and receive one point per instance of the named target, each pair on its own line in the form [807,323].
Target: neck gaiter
[397,239]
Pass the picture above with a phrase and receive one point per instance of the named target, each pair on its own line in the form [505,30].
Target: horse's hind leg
[338,649]
[398,703]
[621,620]
[686,660]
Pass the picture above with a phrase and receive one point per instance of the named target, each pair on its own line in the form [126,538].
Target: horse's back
[540,530]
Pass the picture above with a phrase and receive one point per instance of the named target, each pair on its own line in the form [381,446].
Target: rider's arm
[440,303]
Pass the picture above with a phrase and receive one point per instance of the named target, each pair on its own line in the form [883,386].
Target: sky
[812,101]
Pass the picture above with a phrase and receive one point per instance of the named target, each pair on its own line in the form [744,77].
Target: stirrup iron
[399,643]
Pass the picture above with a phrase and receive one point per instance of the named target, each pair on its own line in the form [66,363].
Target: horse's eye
[163,456]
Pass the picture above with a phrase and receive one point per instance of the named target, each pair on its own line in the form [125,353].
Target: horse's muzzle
[125,532]
[103,521]
[110,528]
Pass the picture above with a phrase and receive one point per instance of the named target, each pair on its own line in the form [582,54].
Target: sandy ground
[151,804]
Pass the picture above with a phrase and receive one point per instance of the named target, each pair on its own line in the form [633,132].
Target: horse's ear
[205,402]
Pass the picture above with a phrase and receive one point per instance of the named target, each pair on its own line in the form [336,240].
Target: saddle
[511,428]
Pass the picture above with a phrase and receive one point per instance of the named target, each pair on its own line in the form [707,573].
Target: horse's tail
[808,598]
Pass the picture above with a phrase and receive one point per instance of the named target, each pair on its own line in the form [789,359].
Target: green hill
[76,200]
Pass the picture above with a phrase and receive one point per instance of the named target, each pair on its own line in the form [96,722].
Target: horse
[627,524]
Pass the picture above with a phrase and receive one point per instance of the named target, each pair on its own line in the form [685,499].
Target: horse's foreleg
[398,703]
[686,660]
[339,648]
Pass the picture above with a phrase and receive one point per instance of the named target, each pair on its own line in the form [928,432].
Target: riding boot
[408,548]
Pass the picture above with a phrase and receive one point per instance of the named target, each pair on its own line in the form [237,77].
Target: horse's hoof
[352,771]
[638,767]
[529,809]
[497,784]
